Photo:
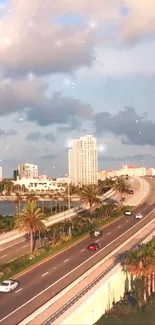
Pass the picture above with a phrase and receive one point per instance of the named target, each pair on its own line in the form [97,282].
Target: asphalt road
[44,282]
[20,246]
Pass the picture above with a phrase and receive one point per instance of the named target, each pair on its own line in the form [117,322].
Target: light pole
[69,202]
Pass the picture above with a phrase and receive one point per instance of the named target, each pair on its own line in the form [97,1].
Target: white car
[8,285]
[138,216]
[128,213]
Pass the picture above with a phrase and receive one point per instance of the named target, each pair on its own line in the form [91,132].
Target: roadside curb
[46,259]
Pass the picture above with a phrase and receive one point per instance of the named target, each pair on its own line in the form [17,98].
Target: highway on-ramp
[46,280]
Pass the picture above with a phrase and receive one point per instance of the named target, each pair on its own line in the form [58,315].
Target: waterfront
[8,207]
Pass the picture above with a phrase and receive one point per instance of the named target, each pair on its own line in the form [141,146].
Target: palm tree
[31,197]
[90,195]
[17,203]
[51,197]
[7,186]
[121,186]
[31,221]
[141,263]
[17,188]
[108,209]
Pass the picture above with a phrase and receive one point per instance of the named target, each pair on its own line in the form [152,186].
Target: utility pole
[69,203]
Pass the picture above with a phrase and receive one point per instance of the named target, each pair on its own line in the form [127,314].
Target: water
[8,208]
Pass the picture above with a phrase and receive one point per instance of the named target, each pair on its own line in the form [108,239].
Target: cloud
[4,133]
[127,124]
[50,157]
[59,110]
[33,136]
[49,137]
[32,38]
[130,159]
[18,95]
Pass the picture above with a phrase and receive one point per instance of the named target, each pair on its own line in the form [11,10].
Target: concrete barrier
[85,275]
[101,298]
[14,234]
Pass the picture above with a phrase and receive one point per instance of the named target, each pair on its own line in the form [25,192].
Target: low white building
[40,185]
[131,171]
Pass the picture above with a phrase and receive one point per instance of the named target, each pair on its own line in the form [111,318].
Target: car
[128,213]
[95,233]
[138,216]
[93,247]
[130,191]
[8,285]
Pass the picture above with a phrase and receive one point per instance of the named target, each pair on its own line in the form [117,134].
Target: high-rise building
[0,174]
[28,171]
[15,174]
[83,161]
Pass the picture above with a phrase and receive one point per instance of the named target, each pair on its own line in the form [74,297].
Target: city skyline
[70,70]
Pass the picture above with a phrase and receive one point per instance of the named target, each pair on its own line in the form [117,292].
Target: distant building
[15,174]
[40,185]
[83,161]
[29,171]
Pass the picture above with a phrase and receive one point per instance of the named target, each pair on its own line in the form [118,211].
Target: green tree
[121,186]
[31,221]
[17,203]
[90,194]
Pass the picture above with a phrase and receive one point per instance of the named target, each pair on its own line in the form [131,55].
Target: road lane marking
[90,258]
[82,250]
[2,249]
[19,290]
[127,220]
[25,246]
[4,256]
[66,260]
[45,274]
[118,227]
[96,241]
[109,233]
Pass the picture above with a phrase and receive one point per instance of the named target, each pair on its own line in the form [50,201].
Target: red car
[93,247]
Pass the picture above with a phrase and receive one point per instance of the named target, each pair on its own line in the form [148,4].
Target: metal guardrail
[73,300]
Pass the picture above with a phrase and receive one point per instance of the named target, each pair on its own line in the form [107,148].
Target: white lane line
[19,290]
[45,274]
[82,249]
[2,249]
[127,220]
[96,241]
[118,227]
[25,246]
[109,233]
[73,270]
[3,256]
[66,260]
[18,249]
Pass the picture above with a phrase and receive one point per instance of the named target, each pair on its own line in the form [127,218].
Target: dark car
[93,247]
[95,233]
[131,191]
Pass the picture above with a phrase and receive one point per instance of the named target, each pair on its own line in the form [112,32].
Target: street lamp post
[69,202]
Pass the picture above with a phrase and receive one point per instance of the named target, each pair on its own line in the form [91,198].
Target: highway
[46,280]
[20,246]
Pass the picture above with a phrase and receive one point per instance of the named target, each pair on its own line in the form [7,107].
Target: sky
[71,68]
